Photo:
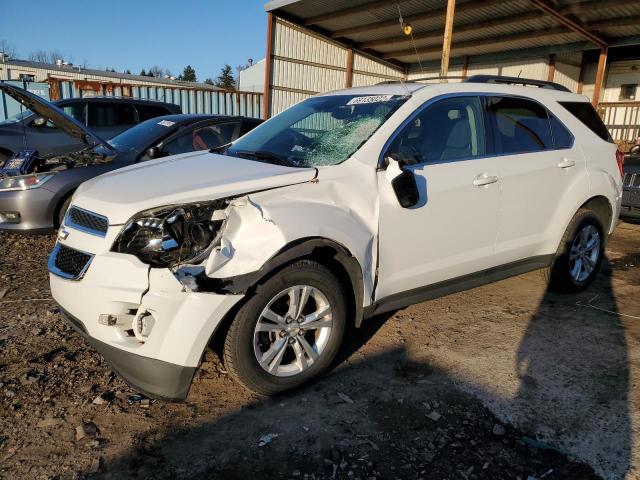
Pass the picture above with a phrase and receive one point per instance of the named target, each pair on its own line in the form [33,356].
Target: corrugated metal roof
[372,25]
[77,70]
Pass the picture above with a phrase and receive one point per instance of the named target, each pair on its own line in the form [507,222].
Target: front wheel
[289,331]
[579,255]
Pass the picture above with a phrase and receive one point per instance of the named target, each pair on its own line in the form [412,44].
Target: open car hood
[185,178]
[57,116]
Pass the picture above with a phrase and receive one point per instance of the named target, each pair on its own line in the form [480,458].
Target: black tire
[559,274]
[63,210]
[239,356]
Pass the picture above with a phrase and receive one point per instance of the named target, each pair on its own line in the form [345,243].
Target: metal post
[267,69]
[446,44]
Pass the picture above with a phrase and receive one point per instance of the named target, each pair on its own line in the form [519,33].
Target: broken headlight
[168,236]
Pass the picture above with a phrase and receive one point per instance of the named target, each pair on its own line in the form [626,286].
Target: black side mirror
[635,150]
[403,182]
[406,189]
[39,122]
[153,152]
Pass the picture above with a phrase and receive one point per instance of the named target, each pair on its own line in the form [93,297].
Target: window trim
[488,128]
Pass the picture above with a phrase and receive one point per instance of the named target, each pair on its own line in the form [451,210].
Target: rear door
[539,162]
[109,119]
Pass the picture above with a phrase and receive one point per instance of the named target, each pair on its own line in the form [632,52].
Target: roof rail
[516,81]
[413,80]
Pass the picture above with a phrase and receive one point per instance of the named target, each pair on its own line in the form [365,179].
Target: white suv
[346,205]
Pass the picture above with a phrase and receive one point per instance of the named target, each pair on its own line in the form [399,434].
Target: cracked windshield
[319,131]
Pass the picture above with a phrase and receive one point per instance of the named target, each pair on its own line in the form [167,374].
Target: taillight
[620,160]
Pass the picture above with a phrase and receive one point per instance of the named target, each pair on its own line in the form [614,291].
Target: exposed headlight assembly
[169,236]
[24,182]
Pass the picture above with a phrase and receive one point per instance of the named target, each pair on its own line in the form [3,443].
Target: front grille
[631,180]
[69,263]
[86,221]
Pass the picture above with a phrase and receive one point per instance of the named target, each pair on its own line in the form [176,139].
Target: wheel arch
[603,209]
[333,255]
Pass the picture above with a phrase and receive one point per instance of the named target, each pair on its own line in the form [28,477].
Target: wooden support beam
[267,68]
[569,23]
[476,26]
[415,17]
[351,11]
[602,65]
[583,65]
[551,67]
[595,5]
[446,42]
[465,66]
[498,40]
[348,79]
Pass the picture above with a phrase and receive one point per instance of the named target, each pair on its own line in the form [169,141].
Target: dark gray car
[35,199]
[105,116]
[631,186]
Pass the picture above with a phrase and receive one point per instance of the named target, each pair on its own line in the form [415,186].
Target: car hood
[190,177]
[51,112]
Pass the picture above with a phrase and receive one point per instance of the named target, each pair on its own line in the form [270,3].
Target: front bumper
[121,286]
[36,207]
[152,377]
[630,203]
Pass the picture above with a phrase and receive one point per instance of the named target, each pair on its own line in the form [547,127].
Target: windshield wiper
[264,155]
[219,147]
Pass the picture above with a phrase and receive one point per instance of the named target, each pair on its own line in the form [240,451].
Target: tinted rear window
[145,112]
[585,112]
[519,125]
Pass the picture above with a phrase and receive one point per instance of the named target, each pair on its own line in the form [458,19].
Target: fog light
[142,324]
[9,217]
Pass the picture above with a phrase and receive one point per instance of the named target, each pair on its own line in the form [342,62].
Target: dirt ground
[506,381]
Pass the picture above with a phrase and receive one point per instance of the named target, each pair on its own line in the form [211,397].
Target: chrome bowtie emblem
[62,234]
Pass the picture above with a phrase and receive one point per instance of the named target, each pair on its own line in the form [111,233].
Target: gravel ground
[506,381]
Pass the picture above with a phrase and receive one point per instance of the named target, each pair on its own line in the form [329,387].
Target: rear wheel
[579,255]
[289,331]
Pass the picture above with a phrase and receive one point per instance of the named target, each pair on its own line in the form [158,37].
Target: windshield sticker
[166,123]
[369,99]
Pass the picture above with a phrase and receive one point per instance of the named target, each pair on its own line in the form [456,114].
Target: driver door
[452,229]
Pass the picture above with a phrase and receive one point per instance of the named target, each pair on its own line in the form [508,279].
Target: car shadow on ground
[389,416]
[573,368]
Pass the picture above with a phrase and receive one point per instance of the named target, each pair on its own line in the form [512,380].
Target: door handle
[566,163]
[484,179]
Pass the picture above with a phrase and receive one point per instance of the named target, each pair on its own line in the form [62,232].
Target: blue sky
[138,34]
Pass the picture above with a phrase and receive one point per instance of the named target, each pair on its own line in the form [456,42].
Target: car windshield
[143,135]
[18,117]
[320,131]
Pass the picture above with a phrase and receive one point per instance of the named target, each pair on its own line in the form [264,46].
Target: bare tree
[47,56]
[8,48]
[157,71]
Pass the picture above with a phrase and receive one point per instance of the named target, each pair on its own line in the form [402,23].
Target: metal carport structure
[320,45]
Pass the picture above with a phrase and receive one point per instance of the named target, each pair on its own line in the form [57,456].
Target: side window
[145,112]
[562,137]
[77,111]
[248,124]
[202,138]
[450,129]
[111,114]
[519,125]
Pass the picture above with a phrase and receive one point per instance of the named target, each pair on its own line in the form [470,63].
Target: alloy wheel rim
[293,331]
[584,254]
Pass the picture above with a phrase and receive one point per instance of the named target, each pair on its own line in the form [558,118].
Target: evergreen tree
[225,79]
[188,74]
[208,81]
[143,72]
